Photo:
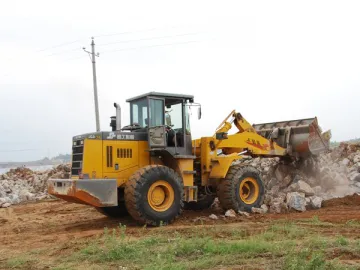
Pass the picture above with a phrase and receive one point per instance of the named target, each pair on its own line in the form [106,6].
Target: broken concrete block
[2,201]
[296,200]
[345,161]
[302,187]
[278,206]
[212,216]
[262,210]
[230,213]
[355,177]
[316,202]
[5,205]
[245,214]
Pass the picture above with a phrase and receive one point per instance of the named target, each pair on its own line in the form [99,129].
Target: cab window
[139,110]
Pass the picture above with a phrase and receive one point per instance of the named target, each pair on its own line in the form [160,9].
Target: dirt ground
[43,225]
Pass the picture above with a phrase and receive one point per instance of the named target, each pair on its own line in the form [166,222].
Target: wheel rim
[161,196]
[249,190]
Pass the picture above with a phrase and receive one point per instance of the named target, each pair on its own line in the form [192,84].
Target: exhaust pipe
[118,116]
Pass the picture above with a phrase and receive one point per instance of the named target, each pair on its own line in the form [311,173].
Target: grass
[275,245]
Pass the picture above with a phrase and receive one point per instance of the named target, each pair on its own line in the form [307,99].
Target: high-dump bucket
[301,138]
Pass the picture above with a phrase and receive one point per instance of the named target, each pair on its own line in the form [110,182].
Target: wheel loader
[152,169]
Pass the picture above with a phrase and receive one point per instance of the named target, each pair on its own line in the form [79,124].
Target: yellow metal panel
[186,165]
[206,155]
[92,162]
[121,176]
[144,155]
[221,165]
[123,162]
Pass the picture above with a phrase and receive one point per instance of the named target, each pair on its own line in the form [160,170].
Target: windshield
[139,111]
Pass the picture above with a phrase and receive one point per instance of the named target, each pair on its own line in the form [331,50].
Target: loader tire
[154,195]
[113,211]
[241,189]
[204,202]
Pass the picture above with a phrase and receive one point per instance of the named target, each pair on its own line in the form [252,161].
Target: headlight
[81,142]
[74,143]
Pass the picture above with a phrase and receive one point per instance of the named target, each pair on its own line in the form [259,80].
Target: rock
[5,205]
[316,202]
[302,187]
[212,216]
[273,182]
[230,213]
[278,206]
[286,181]
[296,200]
[262,210]
[345,161]
[355,177]
[2,201]
[356,159]
[246,214]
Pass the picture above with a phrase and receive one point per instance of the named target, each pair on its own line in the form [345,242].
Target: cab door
[157,130]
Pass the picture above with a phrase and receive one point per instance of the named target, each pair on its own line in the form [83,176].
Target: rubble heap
[307,185]
[22,184]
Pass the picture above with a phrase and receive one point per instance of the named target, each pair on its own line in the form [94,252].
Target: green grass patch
[20,262]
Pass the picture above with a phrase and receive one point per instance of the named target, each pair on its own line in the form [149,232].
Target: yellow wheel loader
[152,169]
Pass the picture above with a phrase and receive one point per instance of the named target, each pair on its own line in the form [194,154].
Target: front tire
[115,211]
[153,195]
[241,189]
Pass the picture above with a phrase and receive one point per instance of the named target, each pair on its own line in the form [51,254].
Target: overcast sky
[269,60]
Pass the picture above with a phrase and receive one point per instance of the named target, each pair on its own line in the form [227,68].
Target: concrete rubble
[300,187]
[22,184]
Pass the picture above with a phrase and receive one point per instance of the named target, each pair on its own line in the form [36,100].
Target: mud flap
[95,192]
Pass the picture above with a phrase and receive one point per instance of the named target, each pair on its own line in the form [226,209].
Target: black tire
[136,195]
[228,189]
[115,211]
[204,202]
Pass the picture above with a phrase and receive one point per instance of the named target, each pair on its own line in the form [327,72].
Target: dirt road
[46,224]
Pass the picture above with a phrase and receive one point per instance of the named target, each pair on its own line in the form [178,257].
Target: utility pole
[92,58]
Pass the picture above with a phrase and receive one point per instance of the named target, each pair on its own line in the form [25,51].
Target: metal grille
[109,156]
[124,153]
[77,157]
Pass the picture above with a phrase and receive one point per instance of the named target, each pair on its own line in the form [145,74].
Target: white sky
[269,60]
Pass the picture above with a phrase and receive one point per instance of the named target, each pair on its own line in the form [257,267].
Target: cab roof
[163,95]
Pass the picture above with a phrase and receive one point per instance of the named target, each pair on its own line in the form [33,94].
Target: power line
[72,50]
[150,38]
[151,46]
[136,31]
[59,45]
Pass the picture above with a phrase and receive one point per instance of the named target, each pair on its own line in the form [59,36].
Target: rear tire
[241,189]
[154,195]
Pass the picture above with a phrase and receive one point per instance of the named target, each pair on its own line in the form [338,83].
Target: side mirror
[199,113]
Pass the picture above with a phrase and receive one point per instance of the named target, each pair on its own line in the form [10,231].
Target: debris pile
[306,185]
[22,184]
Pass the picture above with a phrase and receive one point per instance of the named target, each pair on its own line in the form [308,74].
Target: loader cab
[165,117]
